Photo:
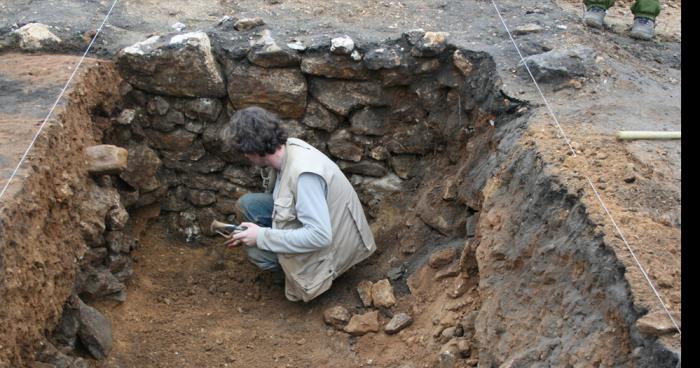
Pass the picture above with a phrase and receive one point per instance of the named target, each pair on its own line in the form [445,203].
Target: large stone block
[95,331]
[280,90]
[384,58]
[559,66]
[266,52]
[367,168]
[319,117]
[334,66]
[175,65]
[106,159]
[342,97]
[175,141]
[35,36]
[341,145]
[415,139]
[369,121]
[362,324]
[141,171]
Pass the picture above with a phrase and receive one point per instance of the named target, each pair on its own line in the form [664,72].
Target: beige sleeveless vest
[310,274]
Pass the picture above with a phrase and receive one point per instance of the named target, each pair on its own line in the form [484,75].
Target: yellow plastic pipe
[629,135]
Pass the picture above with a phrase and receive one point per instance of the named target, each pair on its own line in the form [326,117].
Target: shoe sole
[593,24]
[641,36]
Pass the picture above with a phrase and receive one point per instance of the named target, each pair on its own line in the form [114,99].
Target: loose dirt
[191,306]
[186,309]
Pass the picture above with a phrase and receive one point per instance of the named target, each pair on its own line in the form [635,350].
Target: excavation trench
[497,262]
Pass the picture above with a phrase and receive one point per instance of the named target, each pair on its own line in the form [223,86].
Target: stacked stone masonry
[374,108]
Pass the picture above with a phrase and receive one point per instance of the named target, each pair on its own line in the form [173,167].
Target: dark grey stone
[425,66]
[194,152]
[166,123]
[414,139]
[397,323]
[266,52]
[216,183]
[201,198]
[342,97]
[97,282]
[52,357]
[176,200]
[206,165]
[94,256]
[141,168]
[401,76]
[194,127]
[558,66]
[404,165]
[387,57]
[95,331]
[429,92]
[472,221]
[93,211]
[119,242]
[246,176]
[413,36]
[341,145]
[174,65]
[318,117]
[334,66]
[117,218]
[366,168]
[280,90]
[66,332]
[200,109]
[396,273]
[369,121]
[117,262]
[175,141]
[157,105]
[144,199]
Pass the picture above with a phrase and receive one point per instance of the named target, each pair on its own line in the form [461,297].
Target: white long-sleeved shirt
[312,211]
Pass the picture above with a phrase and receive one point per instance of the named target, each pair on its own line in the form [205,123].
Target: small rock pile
[454,326]
[379,295]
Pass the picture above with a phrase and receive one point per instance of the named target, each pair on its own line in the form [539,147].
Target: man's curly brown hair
[253,130]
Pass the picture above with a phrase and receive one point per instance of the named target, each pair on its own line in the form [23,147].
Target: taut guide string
[63,91]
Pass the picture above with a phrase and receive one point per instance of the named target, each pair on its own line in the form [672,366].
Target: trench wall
[553,293]
[41,243]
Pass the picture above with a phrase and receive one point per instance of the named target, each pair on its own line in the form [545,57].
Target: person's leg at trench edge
[645,13]
[257,208]
[595,12]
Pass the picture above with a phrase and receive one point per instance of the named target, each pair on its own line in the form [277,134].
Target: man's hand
[249,237]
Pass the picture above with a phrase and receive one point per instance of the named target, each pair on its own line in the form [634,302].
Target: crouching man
[312,226]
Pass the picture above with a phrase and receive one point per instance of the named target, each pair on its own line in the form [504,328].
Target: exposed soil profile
[488,236]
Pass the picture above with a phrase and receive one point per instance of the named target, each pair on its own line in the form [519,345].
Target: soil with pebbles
[638,87]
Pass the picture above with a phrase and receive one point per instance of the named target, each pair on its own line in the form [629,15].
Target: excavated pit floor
[187,308]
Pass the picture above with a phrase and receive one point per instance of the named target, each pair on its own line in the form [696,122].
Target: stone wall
[376,109]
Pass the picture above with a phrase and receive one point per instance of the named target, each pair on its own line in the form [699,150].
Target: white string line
[595,191]
[63,91]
